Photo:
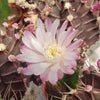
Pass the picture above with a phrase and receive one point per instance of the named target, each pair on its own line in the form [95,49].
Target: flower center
[53,51]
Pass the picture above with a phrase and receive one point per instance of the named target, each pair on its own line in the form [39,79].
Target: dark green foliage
[4,10]
[71,80]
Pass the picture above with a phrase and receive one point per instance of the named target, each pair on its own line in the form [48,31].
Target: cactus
[87,88]
[82,18]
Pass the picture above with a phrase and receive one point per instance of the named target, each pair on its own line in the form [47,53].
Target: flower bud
[2,47]
[88,88]
[11,58]
[67,5]
[70,18]
[20,70]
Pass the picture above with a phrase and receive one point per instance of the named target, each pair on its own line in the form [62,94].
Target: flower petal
[75,44]
[63,27]
[71,55]
[59,74]
[64,35]
[69,38]
[31,58]
[54,27]
[67,70]
[44,76]
[26,39]
[40,24]
[40,35]
[53,76]
[70,63]
[27,71]
[30,41]
[37,69]
[48,24]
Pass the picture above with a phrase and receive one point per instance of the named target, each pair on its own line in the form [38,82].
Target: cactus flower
[51,52]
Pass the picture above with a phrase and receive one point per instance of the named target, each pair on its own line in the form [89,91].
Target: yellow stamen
[53,51]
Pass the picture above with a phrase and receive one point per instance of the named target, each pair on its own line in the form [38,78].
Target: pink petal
[64,35]
[40,24]
[64,26]
[70,63]
[30,41]
[40,35]
[27,71]
[60,37]
[49,39]
[59,74]
[54,27]
[28,36]
[69,38]
[53,76]
[48,24]
[37,69]
[67,70]
[75,45]
[44,76]
[31,58]
[71,55]
[27,51]
[28,63]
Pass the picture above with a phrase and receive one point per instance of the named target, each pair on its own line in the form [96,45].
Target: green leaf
[4,10]
[0,96]
[71,80]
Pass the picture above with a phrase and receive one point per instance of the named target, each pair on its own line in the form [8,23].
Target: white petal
[69,38]
[75,45]
[71,55]
[60,74]
[70,63]
[48,24]
[27,37]
[30,41]
[53,76]
[64,35]
[30,57]
[40,24]
[44,76]
[40,35]
[63,27]
[67,70]
[61,37]
[39,68]
[54,27]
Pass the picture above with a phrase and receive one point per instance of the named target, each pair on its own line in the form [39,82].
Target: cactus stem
[73,91]
[68,86]
[58,6]
[14,93]
[51,14]
[77,97]
[12,47]
[55,97]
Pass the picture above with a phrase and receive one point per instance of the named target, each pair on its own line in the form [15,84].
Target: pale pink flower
[50,53]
